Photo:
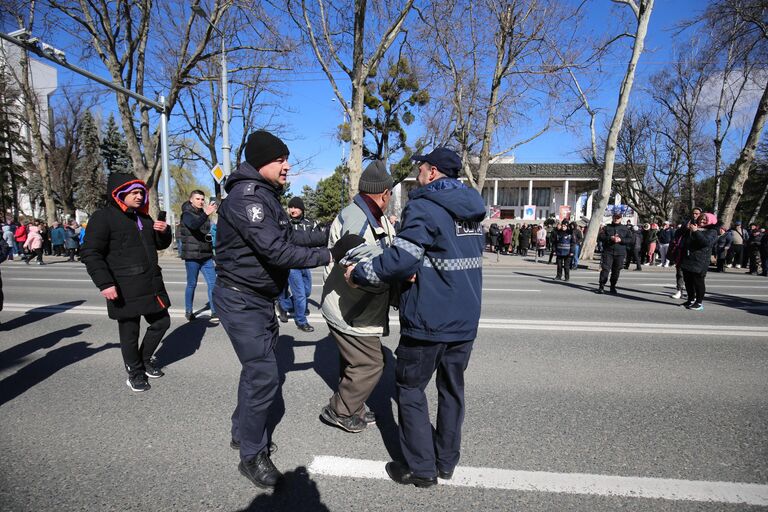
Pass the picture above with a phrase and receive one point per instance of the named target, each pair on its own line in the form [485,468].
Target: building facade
[44,82]
[537,192]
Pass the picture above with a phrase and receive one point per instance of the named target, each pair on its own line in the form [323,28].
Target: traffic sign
[217,173]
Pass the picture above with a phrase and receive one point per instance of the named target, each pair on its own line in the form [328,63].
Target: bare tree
[476,107]
[678,89]
[743,24]
[250,79]
[653,164]
[642,13]
[35,122]
[65,153]
[341,35]
[119,34]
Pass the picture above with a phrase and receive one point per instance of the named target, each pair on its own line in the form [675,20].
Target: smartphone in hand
[161,215]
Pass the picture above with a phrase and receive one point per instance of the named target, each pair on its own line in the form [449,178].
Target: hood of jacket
[462,202]
[119,182]
[246,172]
[34,229]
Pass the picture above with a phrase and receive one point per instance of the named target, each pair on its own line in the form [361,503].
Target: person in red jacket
[21,236]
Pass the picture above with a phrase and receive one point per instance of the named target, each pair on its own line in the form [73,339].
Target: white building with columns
[510,187]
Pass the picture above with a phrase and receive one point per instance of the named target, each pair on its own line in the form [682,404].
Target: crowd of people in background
[31,240]
[653,244]
[539,240]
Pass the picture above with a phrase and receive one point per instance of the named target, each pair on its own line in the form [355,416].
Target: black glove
[345,243]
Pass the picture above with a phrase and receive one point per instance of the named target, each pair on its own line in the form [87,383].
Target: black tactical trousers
[610,264]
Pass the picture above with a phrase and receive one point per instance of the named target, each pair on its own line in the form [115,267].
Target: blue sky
[313,113]
[317,114]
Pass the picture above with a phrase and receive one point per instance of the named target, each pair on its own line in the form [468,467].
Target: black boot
[601,289]
[260,471]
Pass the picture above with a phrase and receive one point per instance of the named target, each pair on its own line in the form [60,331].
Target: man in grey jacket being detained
[358,317]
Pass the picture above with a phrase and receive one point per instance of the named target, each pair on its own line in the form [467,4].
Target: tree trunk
[40,160]
[691,174]
[745,160]
[759,205]
[604,192]
[357,133]
[718,175]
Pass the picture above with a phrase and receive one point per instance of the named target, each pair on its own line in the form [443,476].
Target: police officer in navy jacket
[255,249]
[439,247]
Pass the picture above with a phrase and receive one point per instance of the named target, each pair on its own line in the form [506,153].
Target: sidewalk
[491,260]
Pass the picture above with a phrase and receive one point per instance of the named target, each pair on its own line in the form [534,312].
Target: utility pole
[225,146]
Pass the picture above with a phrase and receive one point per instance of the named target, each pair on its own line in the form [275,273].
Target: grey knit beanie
[375,178]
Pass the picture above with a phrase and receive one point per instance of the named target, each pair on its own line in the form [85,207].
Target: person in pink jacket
[34,244]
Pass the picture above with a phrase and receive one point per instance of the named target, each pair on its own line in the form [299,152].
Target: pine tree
[14,149]
[91,187]
[331,195]
[114,149]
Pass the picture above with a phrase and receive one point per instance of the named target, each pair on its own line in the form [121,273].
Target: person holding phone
[197,249]
[120,254]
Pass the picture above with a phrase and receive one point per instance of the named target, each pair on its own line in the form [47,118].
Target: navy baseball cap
[446,161]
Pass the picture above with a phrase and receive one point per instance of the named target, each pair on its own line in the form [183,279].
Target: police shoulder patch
[254,212]
[249,189]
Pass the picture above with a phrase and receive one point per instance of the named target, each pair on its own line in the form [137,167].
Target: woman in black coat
[695,261]
[120,253]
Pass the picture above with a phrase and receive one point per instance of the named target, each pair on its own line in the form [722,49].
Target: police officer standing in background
[440,242]
[197,249]
[255,248]
[615,239]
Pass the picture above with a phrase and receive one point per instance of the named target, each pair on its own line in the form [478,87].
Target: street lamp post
[225,147]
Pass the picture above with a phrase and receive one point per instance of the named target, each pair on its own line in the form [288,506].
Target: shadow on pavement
[744,303]
[36,314]
[184,341]
[285,363]
[20,351]
[37,371]
[295,492]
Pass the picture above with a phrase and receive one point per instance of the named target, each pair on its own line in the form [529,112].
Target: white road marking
[568,483]
[57,279]
[510,324]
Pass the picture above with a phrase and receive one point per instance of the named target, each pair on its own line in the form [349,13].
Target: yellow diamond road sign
[217,173]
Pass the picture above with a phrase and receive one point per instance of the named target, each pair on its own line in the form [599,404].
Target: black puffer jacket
[255,243]
[698,249]
[195,233]
[120,250]
[617,248]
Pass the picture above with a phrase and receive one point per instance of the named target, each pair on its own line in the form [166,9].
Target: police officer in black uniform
[615,239]
[255,248]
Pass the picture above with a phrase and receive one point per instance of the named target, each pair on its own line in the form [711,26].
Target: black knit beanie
[262,147]
[296,202]
[375,178]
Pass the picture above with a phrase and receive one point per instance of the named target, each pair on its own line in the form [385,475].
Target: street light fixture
[225,147]
[27,41]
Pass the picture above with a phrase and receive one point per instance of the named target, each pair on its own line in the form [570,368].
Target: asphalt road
[567,392]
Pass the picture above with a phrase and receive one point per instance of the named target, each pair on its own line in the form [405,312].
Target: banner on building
[529,212]
[494,212]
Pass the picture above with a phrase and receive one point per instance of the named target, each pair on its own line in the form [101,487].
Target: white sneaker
[738,266]
[677,294]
